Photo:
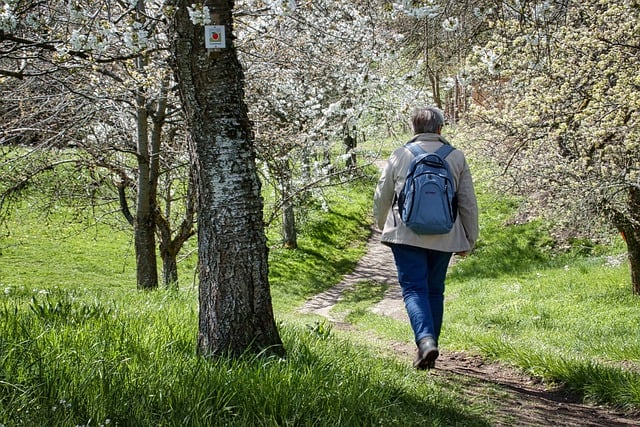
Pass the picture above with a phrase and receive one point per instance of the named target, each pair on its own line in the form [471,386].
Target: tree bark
[235,313]
[631,236]
[633,251]
[169,269]
[144,224]
[350,144]
[629,228]
[171,243]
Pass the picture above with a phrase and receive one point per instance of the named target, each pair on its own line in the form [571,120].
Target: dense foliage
[558,85]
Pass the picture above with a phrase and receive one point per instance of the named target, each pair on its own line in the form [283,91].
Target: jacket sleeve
[468,205]
[384,195]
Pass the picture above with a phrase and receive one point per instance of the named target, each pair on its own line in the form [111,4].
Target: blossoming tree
[566,107]
[313,74]
[236,313]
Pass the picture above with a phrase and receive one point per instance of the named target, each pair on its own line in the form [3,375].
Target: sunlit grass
[79,345]
[565,317]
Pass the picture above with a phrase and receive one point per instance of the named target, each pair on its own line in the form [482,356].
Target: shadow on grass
[578,378]
[326,252]
[521,249]
[307,271]
[323,381]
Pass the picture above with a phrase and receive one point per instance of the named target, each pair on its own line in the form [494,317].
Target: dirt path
[522,401]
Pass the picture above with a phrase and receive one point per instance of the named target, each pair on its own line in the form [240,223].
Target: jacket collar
[430,137]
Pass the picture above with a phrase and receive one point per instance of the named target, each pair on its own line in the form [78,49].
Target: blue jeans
[421,273]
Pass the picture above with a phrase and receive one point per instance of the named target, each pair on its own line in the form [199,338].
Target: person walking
[422,260]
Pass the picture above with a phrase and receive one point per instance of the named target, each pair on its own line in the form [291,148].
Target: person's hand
[463,253]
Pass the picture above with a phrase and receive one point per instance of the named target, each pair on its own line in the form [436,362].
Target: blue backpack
[427,202]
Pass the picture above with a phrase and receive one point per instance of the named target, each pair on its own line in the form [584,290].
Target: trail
[522,401]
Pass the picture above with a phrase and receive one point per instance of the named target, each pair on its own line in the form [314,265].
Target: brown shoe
[427,354]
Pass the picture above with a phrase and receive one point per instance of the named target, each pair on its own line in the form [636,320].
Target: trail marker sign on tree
[214,37]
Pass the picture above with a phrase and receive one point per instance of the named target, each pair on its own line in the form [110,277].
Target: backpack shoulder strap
[445,150]
[415,148]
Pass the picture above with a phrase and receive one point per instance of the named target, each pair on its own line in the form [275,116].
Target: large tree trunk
[235,303]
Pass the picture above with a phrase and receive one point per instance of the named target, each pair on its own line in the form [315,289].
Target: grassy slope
[564,317]
[79,345]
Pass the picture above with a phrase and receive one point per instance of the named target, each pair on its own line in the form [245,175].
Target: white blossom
[431,10]
[75,13]
[451,24]
[488,57]
[199,16]
[482,13]
[464,77]
[449,83]
[142,38]
[32,21]
[279,8]
[77,40]
[540,11]
[128,39]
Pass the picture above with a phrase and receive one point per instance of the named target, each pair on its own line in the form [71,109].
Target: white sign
[214,37]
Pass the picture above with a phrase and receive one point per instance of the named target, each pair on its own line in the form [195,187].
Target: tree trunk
[350,144]
[630,230]
[171,243]
[633,251]
[631,236]
[169,269]
[289,233]
[235,303]
[144,225]
[435,87]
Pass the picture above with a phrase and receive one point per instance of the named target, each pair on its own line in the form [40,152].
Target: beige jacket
[465,231]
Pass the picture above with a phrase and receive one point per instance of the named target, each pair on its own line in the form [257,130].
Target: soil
[521,400]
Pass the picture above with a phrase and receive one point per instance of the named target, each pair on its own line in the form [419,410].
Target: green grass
[331,240]
[568,324]
[64,254]
[564,317]
[126,357]
[79,345]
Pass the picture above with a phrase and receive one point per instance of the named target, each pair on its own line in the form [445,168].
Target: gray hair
[427,120]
